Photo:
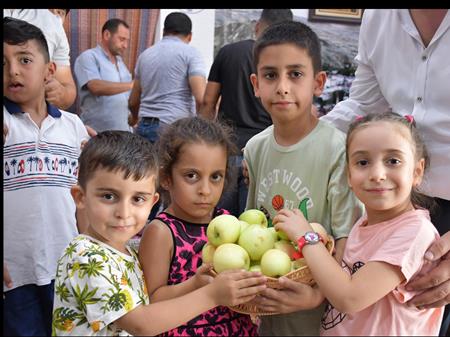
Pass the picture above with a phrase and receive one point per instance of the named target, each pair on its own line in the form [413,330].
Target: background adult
[61,90]
[403,66]
[104,80]
[167,77]
[229,81]
[61,13]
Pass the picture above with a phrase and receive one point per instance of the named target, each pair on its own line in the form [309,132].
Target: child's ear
[319,82]
[419,170]
[78,196]
[155,198]
[347,171]
[254,80]
[51,70]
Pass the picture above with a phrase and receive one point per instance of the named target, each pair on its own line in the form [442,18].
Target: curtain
[84,28]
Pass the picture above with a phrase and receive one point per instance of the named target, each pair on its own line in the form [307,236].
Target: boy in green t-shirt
[298,162]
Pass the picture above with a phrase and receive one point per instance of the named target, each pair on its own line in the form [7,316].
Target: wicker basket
[302,275]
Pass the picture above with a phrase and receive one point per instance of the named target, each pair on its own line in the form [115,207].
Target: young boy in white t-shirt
[40,155]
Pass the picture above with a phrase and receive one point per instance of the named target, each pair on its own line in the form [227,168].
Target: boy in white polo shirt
[41,149]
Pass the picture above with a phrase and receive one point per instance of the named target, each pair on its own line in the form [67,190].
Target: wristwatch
[310,238]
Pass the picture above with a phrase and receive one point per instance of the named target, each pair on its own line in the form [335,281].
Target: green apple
[254,216]
[208,253]
[255,267]
[256,240]
[274,233]
[244,225]
[282,235]
[230,256]
[222,229]
[275,263]
[287,247]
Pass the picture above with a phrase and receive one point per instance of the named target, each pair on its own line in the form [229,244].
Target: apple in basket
[244,225]
[222,229]
[230,256]
[254,216]
[275,263]
[208,251]
[274,233]
[256,240]
[287,247]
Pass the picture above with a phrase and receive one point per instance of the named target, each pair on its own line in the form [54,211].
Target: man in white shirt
[403,66]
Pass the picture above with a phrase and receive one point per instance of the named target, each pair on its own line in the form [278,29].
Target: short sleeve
[61,54]
[215,73]
[406,248]
[86,68]
[346,209]
[101,288]
[196,65]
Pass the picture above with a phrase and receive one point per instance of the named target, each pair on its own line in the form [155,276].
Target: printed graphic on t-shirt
[270,203]
[331,316]
[29,165]
[289,180]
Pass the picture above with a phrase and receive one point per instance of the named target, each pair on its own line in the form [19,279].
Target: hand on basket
[234,287]
[294,296]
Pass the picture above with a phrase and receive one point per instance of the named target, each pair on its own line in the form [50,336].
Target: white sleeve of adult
[365,93]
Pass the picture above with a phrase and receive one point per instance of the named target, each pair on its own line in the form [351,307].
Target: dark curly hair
[191,130]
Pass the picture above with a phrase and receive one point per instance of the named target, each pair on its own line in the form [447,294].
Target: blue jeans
[27,310]
[151,129]
[235,198]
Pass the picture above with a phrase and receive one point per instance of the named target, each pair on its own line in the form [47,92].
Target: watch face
[312,237]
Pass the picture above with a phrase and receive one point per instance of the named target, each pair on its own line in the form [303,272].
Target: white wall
[300,12]
[202,31]
[203,23]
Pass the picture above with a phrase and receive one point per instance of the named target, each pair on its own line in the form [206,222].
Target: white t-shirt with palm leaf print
[95,285]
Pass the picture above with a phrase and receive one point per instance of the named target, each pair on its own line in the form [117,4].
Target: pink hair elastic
[409,118]
[358,118]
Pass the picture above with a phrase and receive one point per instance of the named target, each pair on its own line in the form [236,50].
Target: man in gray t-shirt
[168,76]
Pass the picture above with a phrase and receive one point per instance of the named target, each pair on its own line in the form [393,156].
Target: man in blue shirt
[170,79]
[103,79]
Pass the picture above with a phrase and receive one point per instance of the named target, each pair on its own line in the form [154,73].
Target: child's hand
[233,287]
[203,276]
[292,222]
[54,91]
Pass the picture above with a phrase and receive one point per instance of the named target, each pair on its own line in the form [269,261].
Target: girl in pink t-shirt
[386,162]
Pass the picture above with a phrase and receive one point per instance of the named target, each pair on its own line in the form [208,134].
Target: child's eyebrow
[113,190]
[296,66]
[290,66]
[387,151]
[24,52]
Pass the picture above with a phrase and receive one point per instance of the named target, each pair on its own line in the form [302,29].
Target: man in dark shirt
[229,80]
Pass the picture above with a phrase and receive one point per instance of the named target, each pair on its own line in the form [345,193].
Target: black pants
[441,220]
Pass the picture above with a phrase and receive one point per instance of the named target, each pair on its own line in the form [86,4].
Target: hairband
[409,118]
[358,118]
